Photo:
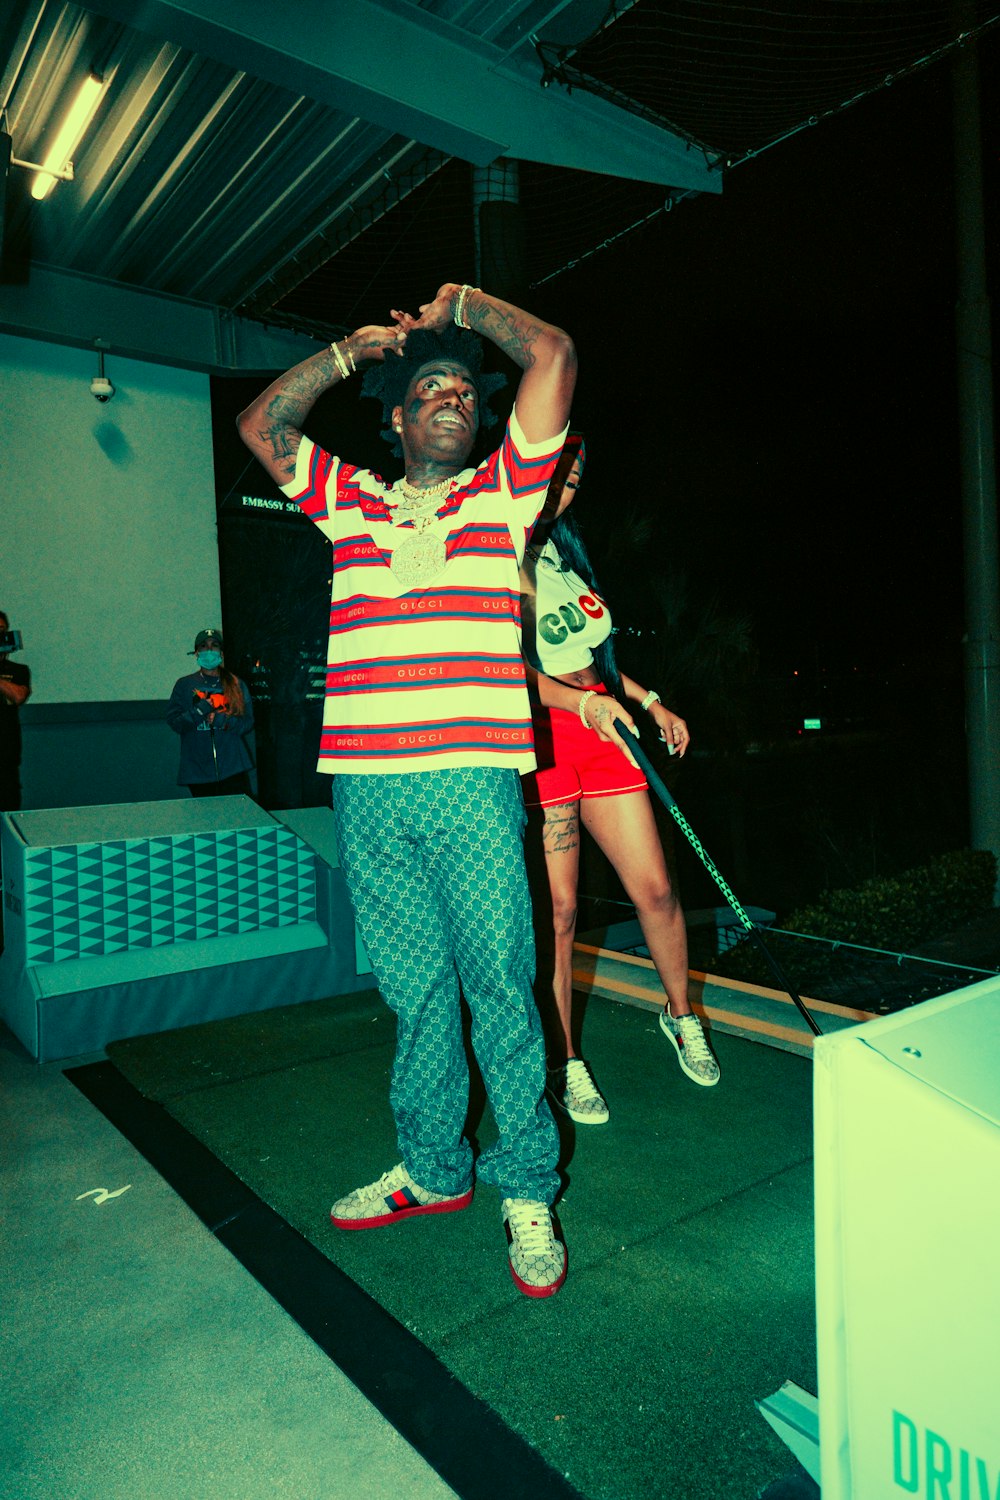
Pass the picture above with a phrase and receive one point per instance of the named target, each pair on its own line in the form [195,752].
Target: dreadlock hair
[388,379]
[567,538]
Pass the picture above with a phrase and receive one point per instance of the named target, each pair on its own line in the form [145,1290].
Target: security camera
[101,388]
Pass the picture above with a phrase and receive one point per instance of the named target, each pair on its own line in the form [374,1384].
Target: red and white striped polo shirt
[432,676]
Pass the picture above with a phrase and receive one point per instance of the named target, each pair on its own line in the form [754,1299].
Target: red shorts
[574,762]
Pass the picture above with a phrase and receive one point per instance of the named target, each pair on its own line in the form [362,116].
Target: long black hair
[567,538]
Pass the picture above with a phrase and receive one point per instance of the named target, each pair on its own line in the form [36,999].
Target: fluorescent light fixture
[80,115]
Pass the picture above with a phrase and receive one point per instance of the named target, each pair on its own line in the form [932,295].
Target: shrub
[898,911]
[893,913]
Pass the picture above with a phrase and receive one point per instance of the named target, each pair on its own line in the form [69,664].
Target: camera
[101,388]
[10,640]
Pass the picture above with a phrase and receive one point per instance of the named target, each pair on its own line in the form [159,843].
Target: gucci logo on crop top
[569,619]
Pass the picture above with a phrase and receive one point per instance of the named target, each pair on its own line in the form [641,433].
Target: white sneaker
[394,1196]
[537,1258]
[574,1090]
[693,1052]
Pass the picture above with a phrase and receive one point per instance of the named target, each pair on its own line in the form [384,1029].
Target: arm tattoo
[277,441]
[515,336]
[286,412]
[299,392]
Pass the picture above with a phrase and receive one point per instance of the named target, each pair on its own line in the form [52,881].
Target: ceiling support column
[501,240]
[977,464]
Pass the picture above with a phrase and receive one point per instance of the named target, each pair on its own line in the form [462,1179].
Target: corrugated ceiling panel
[203,182]
[195,180]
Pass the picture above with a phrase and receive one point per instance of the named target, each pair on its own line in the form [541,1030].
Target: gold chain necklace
[419,498]
[421,555]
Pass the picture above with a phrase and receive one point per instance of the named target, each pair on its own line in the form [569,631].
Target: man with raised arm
[427,728]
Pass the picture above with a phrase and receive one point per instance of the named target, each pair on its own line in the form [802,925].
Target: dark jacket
[209,752]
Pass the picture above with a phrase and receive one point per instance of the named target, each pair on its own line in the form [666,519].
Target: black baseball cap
[206,637]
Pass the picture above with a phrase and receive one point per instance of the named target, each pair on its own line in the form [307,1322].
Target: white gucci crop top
[565,620]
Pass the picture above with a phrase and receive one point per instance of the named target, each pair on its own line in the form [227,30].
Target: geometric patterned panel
[83,900]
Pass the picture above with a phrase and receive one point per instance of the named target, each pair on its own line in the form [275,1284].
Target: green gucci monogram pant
[434,864]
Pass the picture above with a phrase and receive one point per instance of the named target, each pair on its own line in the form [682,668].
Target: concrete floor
[140,1359]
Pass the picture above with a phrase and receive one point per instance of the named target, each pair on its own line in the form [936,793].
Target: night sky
[770,375]
[774,371]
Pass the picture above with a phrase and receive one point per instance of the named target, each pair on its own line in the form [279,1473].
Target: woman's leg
[556,832]
[626,831]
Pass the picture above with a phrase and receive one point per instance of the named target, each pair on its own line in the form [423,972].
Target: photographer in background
[211,711]
[15,689]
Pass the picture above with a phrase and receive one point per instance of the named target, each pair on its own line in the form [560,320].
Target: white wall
[108,549]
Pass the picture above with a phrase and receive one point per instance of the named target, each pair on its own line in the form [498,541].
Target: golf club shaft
[657,785]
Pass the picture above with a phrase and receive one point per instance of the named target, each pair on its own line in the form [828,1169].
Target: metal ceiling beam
[398,66]
[63,307]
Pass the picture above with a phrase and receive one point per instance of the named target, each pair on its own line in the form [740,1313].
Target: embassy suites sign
[268,506]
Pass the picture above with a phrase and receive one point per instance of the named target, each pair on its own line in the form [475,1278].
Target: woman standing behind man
[586,773]
[211,711]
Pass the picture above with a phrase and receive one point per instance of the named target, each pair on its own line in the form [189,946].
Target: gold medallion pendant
[418,559]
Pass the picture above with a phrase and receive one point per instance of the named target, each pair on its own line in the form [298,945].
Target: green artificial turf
[688,1220]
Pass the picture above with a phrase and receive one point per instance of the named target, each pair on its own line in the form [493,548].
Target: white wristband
[582,706]
[650,697]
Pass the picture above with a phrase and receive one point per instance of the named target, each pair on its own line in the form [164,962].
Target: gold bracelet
[460,305]
[341,362]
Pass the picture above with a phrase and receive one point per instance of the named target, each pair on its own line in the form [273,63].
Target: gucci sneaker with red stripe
[572,1088]
[537,1258]
[394,1196]
[693,1052]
